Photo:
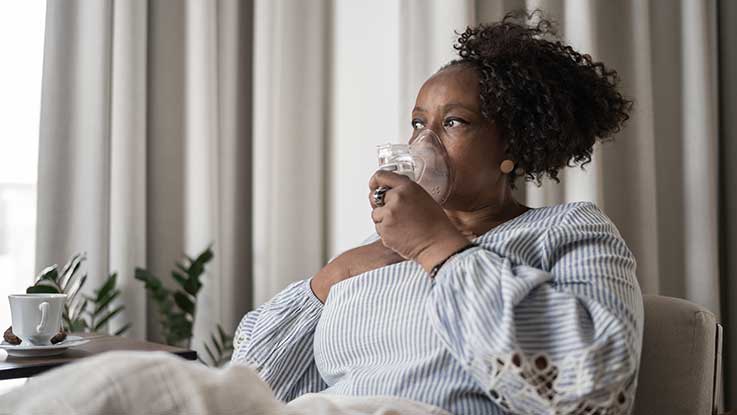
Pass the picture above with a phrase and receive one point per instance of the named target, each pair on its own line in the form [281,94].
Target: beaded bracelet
[436,268]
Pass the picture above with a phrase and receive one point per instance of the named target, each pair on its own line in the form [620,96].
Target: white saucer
[22,350]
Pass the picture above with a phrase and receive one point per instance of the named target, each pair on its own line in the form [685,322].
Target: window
[21,45]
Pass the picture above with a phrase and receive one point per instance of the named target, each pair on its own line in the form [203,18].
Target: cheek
[475,167]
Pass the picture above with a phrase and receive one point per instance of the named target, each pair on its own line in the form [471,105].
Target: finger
[388,179]
[377,215]
[379,230]
[372,200]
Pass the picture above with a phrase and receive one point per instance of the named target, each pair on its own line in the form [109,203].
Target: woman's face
[448,104]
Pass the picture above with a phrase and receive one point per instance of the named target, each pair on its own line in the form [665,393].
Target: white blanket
[160,383]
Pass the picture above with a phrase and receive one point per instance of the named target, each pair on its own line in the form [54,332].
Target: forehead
[457,83]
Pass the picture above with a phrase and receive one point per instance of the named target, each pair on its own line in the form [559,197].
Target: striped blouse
[544,316]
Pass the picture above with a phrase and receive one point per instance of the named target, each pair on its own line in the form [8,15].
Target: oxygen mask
[424,160]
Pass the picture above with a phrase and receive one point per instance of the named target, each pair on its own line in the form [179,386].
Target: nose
[425,134]
[432,126]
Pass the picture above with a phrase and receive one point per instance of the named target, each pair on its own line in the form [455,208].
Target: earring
[507,166]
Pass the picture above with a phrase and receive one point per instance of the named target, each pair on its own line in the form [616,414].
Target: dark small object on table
[59,337]
[10,337]
[13,339]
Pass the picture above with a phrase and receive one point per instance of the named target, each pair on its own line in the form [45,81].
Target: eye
[453,122]
[417,124]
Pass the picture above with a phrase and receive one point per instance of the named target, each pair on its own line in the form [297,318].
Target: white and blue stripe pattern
[543,317]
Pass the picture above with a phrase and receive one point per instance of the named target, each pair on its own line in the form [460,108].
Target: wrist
[321,283]
[438,252]
[319,288]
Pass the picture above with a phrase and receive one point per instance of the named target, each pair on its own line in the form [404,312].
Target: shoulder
[588,216]
[584,225]
[548,217]
[571,223]
[567,215]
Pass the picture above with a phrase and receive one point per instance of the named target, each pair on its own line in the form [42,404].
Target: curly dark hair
[550,102]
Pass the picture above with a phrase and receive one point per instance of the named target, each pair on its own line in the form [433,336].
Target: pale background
[21,43]
[167,125]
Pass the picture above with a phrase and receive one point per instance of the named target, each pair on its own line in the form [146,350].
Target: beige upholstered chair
[681,354]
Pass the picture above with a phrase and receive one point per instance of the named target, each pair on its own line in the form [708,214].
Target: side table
[22,367]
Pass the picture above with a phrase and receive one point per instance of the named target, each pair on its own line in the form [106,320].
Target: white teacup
[36,317]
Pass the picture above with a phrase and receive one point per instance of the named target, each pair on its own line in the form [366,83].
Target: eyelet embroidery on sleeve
[530,387]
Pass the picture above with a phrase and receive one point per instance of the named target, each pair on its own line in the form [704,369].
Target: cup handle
[44,307]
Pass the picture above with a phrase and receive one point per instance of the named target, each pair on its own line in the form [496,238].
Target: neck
[486,216]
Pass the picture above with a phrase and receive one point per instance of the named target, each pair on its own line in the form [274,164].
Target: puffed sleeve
[276,339]
[563,337]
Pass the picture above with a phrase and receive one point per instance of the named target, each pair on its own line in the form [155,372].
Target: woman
[541,313]
[476,306]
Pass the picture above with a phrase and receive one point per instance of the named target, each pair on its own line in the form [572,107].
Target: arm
[276,339]
[551,340]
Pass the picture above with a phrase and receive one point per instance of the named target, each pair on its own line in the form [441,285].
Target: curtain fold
[145,148]
[127,221]
[290,124]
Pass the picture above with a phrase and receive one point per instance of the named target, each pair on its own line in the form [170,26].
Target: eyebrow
[447,107]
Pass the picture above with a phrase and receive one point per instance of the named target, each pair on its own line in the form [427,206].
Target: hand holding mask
[424,160]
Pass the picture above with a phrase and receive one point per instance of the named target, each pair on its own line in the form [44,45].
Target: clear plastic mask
[424,161]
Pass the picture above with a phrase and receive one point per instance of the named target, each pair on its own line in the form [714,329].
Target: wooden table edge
[33,370]
[38,368]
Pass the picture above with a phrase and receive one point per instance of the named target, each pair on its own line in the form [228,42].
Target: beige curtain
[145,147]
[291,75]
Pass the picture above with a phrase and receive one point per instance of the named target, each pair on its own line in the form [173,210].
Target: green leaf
[179,321]
[122,330]
[183,282]
[155,288]
[177,308]
[107,317]
[101,305]
[75,259]
[205,256]
[106,287]
[183,268]
[184,303]
[76,285]
[197,266]
[195,286]
[70,270]
[78,325]
[49,273]
[150,279]
[221,333]
[42,289]
[196,270]
[76,309]
[217,346]
[212,356]
[223,345]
